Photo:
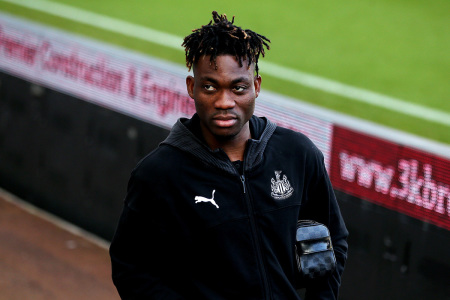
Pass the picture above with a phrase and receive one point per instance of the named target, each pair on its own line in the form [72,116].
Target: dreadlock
[223,37]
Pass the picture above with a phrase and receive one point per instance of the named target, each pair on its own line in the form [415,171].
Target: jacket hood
[182,137]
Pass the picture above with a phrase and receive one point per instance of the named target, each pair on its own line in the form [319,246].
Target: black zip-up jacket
[193,227]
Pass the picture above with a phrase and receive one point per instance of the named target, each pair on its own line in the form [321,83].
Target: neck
[234,147]
[234,153]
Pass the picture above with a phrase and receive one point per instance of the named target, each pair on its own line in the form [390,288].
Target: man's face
[224,98]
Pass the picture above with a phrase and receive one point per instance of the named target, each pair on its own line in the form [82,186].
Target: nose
[225,101]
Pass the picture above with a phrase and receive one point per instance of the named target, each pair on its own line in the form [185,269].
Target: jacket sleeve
[139,259]
[322,206]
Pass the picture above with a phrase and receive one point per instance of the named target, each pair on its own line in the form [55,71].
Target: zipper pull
[243,182]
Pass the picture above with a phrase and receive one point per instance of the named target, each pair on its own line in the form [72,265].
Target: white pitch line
[277,71]
[359,94]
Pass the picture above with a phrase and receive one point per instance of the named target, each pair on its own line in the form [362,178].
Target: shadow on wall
[68,156]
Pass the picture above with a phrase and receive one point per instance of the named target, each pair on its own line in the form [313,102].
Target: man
[205,216]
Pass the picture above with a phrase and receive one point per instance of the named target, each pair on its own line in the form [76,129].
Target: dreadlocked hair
[223,37]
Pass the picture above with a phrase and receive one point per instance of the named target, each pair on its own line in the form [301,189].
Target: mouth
[225,120]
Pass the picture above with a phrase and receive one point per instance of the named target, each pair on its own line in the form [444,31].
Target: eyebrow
[234,81]
[206,78]
[240,79]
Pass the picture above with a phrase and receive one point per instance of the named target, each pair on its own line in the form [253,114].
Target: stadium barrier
[401,178]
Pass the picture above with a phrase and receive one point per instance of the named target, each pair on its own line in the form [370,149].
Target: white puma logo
[203,199]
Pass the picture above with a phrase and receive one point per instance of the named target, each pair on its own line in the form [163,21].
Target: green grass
[398,48]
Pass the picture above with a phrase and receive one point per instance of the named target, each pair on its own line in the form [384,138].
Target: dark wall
[73,158]
[68,156]
[393,256]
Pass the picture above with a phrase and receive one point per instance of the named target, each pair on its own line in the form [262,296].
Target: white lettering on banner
[368,172]
[421,191]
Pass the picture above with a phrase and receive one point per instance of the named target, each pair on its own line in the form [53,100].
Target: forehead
[226,65]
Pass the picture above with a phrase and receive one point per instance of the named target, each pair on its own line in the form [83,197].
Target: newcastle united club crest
[281,188]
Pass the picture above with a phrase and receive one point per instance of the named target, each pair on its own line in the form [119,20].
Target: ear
[257,83]
[190,86]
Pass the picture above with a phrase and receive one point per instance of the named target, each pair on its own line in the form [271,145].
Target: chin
[220,135]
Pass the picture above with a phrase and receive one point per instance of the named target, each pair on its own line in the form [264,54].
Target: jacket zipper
[243,182]
[256,238]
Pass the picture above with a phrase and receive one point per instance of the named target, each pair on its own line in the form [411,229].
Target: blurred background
[87,88]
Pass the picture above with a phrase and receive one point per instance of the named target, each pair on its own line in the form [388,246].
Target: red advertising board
[401,178]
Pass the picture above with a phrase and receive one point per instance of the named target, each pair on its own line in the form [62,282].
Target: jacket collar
[185,135]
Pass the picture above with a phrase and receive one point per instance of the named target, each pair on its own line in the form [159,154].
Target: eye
[209,87]
[240,88]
